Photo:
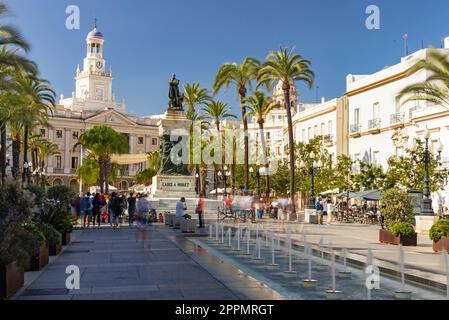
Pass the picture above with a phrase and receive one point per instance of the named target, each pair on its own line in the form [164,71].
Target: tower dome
[95,33]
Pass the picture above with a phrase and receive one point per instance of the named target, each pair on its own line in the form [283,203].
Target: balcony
[328,140]
[374,125]
[397,119]
[73,171]
[58,170]
[124,173]
[355,129]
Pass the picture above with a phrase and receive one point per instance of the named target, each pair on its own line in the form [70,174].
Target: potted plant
[17,244]
[65,228]
[397,213]
[53,237]
[439,234]
[41,257]
[55,213]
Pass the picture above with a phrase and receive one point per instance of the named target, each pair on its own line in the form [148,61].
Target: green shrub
[439,230]
[38,192]
[34,229]
[52,235]
[62,194]
[65,225]
[16,243]
[396,207]
[404,229]
[56,214]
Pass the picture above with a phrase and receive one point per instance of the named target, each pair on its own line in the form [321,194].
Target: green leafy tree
[369,177]
[241,75]
[342,175]
[146,176]
[103,141]
[259,108]
[396,207]
[286,67]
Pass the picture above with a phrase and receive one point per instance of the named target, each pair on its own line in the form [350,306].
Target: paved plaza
[113,266]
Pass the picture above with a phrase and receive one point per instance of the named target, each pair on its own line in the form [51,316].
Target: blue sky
[147,40]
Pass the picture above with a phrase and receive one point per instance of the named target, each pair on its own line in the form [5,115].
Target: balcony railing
[328,138]
[58,170]
[374,124]
[73,171]
[124,173]
[355,128]
[445,163]
[397,118]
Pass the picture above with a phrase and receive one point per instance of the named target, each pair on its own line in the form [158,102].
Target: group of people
[104,208]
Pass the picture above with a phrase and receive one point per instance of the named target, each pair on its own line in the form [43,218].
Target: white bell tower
[93,82]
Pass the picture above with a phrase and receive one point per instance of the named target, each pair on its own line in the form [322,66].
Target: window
[309,136]
[268,135]
[99,94]
[74,162]
[140,140]
[323,129]
[315,131]
[154,141]
[329,127]
[357,116]
[58,162]
[376,110]
[42,132]
[356,156]
[304,138]
[75,135]
[59,134]
[375,158]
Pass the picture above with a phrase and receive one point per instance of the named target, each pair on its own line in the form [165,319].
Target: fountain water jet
[345,274]
[309,283]
[289,273]
[402,293]
[229,238]
[333,294]
[211,232]
[321,265]
[273,265]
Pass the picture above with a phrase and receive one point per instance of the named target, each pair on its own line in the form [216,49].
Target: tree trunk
[25,153]
[101,178]
[291,145]
[3,152]
[245,129]
[107,172]
[265,156]
[16,156]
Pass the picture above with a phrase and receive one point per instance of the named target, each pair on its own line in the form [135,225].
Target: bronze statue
[176,98]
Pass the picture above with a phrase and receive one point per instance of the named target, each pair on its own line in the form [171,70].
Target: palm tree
[286,67]
[10,35]
[259,107]
[38,97]
[218,111]
[436,87]
[194,96]
[45,149]
[103,141]
[241,75]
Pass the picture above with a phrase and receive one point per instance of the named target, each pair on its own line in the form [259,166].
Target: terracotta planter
[11,280]
[386,236]
[443,243]
[55,249]
[40,260]
[65,239]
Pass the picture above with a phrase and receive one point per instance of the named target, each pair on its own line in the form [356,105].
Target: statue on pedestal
[176,98]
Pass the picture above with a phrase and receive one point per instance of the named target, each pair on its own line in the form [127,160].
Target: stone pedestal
[424,223]
[174,187]
[311,216]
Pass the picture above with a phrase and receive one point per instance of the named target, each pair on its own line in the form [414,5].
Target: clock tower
[94,83]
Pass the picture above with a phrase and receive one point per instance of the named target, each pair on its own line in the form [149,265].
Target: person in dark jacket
[97,204]
[131,208]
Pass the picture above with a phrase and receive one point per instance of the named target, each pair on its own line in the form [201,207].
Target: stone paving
[114,267]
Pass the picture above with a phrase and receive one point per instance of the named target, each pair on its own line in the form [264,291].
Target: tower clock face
[99,65]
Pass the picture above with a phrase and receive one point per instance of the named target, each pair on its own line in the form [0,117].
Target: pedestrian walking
[86,208]
[200,211]
[97,204]
[142,210]
[131,208]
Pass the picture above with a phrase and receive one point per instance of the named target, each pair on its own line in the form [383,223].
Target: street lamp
[225,171]
[216,184]
[314,167]
[426,203]
[197,176]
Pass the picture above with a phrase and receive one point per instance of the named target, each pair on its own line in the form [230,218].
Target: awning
[374,195]
[352,194]
[124,159]
[328,192]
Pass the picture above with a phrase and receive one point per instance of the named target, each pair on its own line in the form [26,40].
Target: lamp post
[314,167]
[225,174]
[216,184]
[197,176]
[426,203]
